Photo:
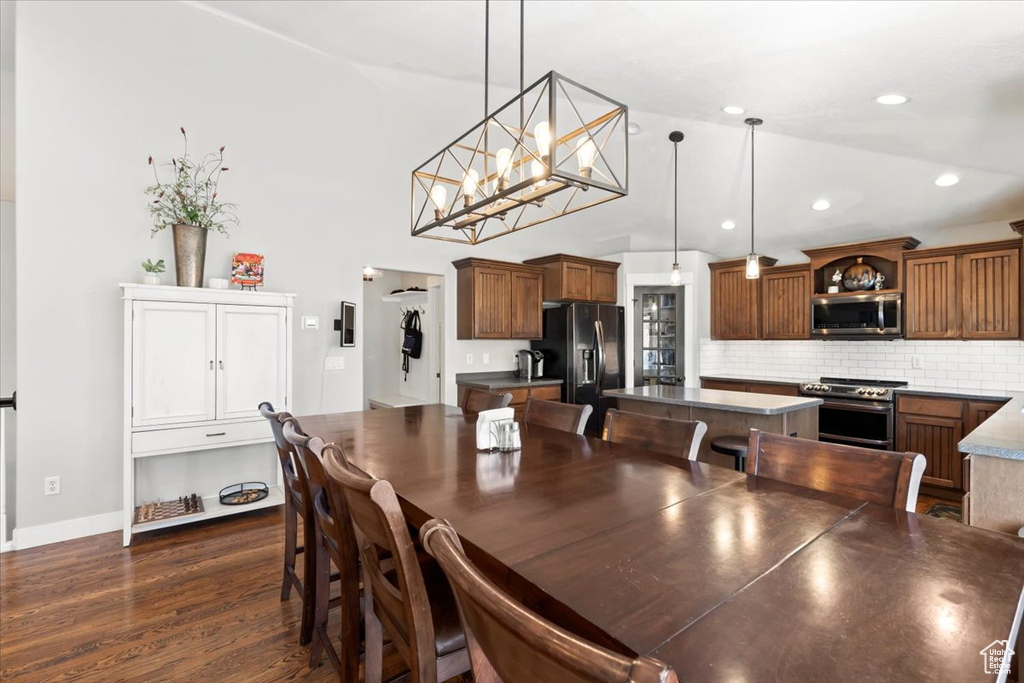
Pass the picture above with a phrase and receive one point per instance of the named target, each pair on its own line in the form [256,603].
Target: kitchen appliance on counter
[856,412]
[857,316]
[584,346]
[530,364]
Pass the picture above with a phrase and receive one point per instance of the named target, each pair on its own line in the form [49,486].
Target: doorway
[658,337]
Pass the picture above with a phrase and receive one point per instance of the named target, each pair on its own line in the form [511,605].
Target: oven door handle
[860,407]
[881,316]
[852,440]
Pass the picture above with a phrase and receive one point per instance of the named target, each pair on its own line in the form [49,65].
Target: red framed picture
[247,270]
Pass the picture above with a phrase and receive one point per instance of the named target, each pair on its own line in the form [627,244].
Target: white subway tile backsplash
[997,365]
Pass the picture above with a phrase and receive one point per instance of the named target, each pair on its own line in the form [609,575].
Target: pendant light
[555,148]
[676,137]
[753,260]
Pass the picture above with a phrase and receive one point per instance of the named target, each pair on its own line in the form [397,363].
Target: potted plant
[188,204]
[153,270]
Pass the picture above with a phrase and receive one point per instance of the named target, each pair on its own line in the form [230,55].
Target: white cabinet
[198,362]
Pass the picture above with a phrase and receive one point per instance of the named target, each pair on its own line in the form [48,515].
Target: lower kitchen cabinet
[520,394]
[778,389]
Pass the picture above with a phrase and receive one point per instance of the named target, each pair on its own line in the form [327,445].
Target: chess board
[155,512]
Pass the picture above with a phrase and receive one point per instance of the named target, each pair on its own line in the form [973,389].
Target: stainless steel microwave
[857,316]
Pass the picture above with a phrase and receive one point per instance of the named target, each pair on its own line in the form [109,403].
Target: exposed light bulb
[538,171]
[542,134]
[470,182]
[753,267]
[586,152]
[676,278]
[728,225]
[439,196]
[504,161]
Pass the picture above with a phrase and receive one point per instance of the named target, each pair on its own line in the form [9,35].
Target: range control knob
[825,387]
[862,391]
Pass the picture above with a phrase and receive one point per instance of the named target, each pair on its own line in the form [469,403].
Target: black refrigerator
[583,345]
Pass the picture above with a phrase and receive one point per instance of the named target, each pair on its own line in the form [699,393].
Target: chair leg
[321,604]
[374,660]
[290,533]
[311,556]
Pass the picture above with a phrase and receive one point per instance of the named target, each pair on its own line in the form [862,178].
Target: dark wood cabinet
[786,302]
[979,411]
[969,291]
[527,300]
[777,389]
[735,300]
[931,297]
[520,394]
[933,427]
[574,278]
[498,300]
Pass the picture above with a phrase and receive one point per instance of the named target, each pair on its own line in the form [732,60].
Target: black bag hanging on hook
[412,341]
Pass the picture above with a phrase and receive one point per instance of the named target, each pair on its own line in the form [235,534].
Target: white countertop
[729,401]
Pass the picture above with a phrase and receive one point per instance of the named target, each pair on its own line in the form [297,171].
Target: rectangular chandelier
[556,148]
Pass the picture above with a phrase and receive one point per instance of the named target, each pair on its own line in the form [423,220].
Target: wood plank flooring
[196,603]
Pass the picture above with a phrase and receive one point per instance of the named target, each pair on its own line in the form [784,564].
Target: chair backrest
[381,532]
[285,450]
[327,506]
[510,644]
[476,400]
[882,477]
[674,437]
[565,417]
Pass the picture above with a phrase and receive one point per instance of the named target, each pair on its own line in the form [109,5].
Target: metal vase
[189,254]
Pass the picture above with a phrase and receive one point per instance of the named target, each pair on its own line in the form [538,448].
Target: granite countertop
[503,380]
[1001,435]
[730,401]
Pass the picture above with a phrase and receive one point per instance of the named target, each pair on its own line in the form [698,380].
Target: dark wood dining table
[724,576]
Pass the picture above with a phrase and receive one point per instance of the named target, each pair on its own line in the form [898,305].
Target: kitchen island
[724,412]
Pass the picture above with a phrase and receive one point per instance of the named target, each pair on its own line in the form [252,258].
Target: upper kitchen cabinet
[786,302]
[574,278]
[498,300]
[735,300]
[969,291]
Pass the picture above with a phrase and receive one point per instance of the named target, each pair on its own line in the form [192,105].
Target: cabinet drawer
[547,393]
[935,407]
[206,436]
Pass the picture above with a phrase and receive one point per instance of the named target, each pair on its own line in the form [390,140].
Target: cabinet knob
[211,365]
[221,363]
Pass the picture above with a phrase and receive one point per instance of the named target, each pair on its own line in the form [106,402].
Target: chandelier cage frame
[522,194]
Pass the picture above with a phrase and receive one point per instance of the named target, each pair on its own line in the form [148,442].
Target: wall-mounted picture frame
[347,323]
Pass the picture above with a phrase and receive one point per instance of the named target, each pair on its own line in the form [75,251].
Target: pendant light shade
[753,260]
[676,278]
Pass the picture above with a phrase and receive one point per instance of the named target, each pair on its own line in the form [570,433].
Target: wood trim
[765,261]
[1018,226]
[554,258]
[958,249]
[473,261]
[878,247]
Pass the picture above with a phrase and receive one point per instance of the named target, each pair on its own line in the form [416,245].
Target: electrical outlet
[486,359]
[310,322]
[51,486]
[469,359]
[917,362]
[334,363]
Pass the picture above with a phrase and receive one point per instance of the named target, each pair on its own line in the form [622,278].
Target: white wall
[986,365]
[8,365]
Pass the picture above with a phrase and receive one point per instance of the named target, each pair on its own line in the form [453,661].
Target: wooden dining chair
[661,434]
[413,601]
[510,644]
[333,541]
[294,507]
[881,477]
[565,417]
[476,400]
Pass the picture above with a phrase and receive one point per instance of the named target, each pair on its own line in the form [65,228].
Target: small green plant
[151,267]
[191,198]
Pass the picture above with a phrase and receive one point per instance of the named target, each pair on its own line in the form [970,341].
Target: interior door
[173,351]
[251,357]
[658,336]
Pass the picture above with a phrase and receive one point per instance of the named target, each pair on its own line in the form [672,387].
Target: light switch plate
[334,363]
[917,362]
[310,322]
[469,359]
[486,359]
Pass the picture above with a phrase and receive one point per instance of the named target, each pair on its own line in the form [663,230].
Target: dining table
[722,575]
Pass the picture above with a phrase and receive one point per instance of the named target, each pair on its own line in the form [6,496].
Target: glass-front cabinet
[658,336]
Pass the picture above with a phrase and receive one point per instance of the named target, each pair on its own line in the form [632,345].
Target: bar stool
[734,445]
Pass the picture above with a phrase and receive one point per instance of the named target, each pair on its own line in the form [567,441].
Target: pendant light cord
[675,202]
[752,188]
[522,33]
[487,52]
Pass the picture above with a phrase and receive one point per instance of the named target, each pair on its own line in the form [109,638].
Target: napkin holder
[486,432]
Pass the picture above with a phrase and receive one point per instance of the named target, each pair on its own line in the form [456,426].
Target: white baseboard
[7,546]
[44,534]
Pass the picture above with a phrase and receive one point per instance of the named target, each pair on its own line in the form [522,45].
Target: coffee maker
[531,364]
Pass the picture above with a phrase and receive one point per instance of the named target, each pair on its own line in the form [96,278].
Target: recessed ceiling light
[947,180]
[728,225]
[633,128]
[822,205]
[892,99]
[734,110]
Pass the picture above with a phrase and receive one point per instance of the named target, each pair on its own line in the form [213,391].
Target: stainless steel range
[857,412]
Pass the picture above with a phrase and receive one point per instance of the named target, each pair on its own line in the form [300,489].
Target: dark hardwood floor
[196,603]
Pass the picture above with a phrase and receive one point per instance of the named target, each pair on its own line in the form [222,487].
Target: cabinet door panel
[931,298]
[734,304]
[173,350]
[575,281]
[936,438]
[786,305]
[990,287]
[492,303]
[527,308]
[604,284]
[251,357]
